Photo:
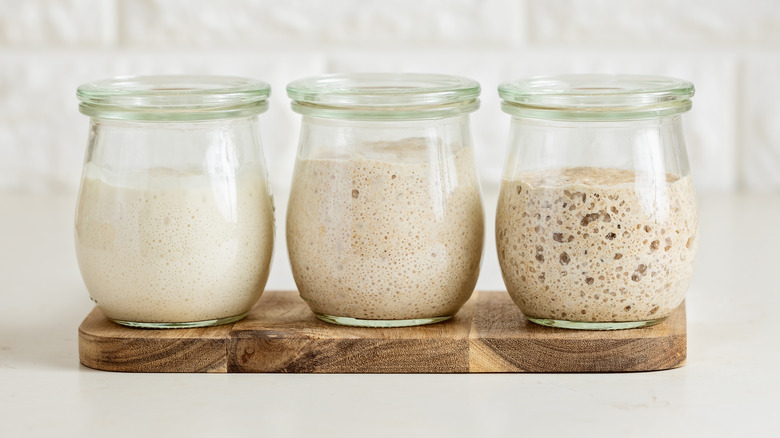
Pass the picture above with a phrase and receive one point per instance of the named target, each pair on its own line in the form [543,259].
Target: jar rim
[384,96]
[596,96]
[173,97]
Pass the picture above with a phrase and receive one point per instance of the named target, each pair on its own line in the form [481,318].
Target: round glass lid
[384,95]
[596,97]
[173,97]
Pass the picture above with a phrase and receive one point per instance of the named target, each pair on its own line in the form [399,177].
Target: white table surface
[729,387]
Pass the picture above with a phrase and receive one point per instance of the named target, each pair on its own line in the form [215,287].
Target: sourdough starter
[596,245]
[170,247]
[389,235]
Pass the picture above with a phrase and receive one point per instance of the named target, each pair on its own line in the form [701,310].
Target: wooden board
[282,335]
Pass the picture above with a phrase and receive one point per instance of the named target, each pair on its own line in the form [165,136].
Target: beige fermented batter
[170,247]
[596,245]
[392,235]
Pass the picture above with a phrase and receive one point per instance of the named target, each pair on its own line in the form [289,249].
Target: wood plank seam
[281,335]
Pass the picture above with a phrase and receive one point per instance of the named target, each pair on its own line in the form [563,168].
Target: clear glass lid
[596,97]
[391,96]
[173,97]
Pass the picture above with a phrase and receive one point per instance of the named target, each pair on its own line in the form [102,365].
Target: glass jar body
[174,222]
[596,225]
[385,224]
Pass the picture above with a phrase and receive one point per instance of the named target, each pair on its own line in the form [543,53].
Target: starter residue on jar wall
[163,246]
[579,244]
[390,233]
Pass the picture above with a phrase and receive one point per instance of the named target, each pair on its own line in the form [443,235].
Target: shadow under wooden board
[281,335]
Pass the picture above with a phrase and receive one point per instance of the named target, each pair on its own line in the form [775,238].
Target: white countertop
[729,387]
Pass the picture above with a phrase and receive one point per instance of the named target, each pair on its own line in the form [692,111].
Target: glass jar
[596,225]
[385,223]
[174,222]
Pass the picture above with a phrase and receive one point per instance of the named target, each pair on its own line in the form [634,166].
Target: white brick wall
[730,50]
[655,23]
[272,24]
[56,23]
[759,118]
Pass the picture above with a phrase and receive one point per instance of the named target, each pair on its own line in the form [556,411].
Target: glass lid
[173,97]
[596,97]
[391,96]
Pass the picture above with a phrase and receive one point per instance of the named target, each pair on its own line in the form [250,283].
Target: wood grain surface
[282,335]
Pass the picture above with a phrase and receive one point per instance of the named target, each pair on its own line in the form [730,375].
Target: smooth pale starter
[596,245]
[164,246]
[392,235]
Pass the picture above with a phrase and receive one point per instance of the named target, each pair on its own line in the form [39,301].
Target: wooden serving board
[281,335]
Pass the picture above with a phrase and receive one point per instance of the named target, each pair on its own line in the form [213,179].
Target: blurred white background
[729,50]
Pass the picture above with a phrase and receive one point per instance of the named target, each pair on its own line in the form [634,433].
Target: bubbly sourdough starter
[174,248]
[590,245]
[374,238]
